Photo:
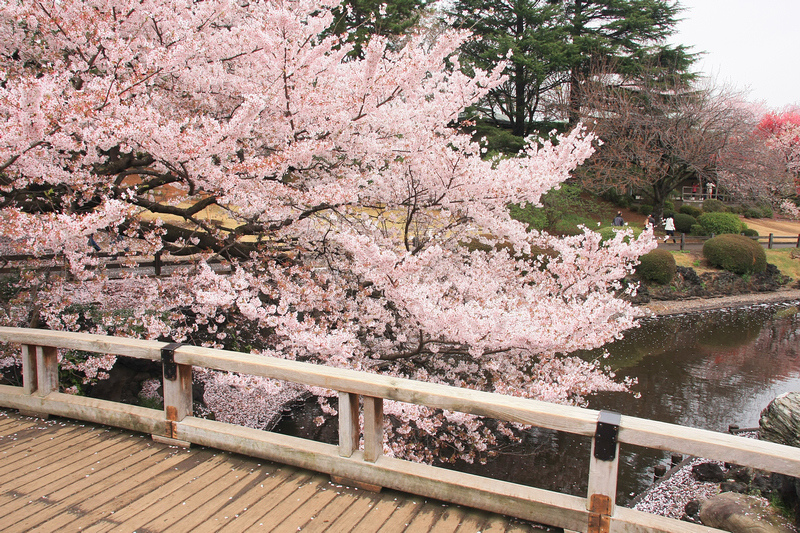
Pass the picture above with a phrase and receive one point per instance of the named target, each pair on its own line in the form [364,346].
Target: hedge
[719,223]
[735,253]
[657,266]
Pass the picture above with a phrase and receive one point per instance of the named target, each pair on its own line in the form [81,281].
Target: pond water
[706,370]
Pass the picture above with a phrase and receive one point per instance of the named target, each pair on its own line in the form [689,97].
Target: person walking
[669,227]
[651,221]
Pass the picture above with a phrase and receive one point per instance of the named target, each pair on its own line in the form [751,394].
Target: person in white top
[669,227]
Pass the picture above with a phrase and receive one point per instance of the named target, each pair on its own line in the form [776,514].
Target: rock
[733,486]
[692,508]
[739,473]
[739,513]
[708,472]
[780,421]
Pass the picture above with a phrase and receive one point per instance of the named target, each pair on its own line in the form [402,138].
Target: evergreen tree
[553,43]
[532,35]
[361,19]
[625,33]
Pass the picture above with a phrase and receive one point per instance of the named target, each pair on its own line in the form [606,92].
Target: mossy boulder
[735,253]
[657,266]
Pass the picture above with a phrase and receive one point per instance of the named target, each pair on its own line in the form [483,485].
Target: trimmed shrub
[753,212]
[750,232]
[719,223]
[669,206]
[645,209]
[766,211]
[684,223]
[713,206]
[657,266]
[691,210]
[698,230]
[735,253]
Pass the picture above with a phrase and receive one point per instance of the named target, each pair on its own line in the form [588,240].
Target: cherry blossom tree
[782,133]
[363,230]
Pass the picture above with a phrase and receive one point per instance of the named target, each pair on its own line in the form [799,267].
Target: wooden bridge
[360,394]
[60,475]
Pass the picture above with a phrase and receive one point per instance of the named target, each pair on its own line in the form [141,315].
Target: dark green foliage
[749,232]
[753,212]
[719,223]
[645,209]
[712,206]
[684,223]
[735,253]
[669,206]
[561,212]
[534,35]
[697,230]
[657,266]
[625,201]
[359,20]
[691,210]
[766,211]
[498,140]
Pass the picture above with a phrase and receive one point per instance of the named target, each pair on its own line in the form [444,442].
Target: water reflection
[706,370]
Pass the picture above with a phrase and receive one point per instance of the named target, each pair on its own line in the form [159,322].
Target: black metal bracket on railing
[168,360]
[605,436]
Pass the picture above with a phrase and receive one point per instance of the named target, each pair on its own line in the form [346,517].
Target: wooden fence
[597,512]
[769,241]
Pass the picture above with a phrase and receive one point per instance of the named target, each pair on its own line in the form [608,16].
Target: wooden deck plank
[24,450]
[147,476]
[71,460]
[380,512]
[241,481]
[114,480]
[96,488]
[195,499]
[253,517]
[226,517]
[362,503]
[424,519]
[341,502]
[240,513]
[39,488]
[404,513]
[286,504]
[306,520]
[154,503]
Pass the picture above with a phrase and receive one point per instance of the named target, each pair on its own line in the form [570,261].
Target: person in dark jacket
[618,220]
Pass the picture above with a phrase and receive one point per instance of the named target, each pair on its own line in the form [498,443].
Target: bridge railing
[597,512]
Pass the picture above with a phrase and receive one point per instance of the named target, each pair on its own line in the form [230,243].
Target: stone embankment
[674,307]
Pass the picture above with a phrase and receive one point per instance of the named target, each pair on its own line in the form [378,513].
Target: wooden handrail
[39,395]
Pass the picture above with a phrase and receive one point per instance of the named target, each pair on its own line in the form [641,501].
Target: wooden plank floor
[61,475]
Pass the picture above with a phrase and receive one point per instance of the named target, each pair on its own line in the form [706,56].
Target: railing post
[769,246]
[683,240]
[373,428]
[798,241]
[157,263]
[39,373]
[177,393]
[603,466]
[349,430]
[30,380]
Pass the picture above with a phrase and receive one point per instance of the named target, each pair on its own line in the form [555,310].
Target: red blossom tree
[335,186]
